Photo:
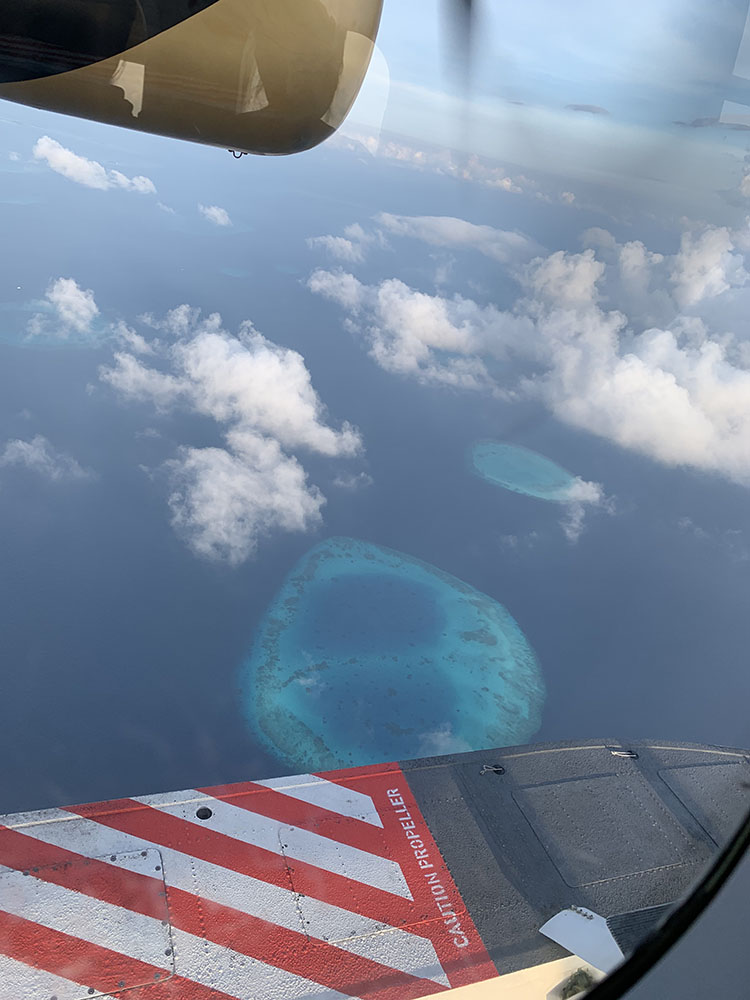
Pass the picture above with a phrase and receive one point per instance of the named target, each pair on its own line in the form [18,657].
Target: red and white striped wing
[316,886]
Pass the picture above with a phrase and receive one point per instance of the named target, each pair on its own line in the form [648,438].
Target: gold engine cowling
[256,76]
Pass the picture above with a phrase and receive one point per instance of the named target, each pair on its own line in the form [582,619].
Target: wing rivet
[203,812]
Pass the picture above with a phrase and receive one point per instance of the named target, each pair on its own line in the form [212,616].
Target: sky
[209,365]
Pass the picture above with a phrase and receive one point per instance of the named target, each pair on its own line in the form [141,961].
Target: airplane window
[374,500]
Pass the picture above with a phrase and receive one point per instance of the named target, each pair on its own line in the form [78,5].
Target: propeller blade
[459,17]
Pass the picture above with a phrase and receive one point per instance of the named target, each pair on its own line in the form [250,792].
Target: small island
[370,655]
[522,471]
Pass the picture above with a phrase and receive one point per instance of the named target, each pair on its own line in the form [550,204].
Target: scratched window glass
[374,470]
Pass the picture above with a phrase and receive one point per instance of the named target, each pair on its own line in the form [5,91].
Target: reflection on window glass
[389,498]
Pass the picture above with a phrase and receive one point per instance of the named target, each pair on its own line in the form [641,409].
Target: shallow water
[368,655]
[521,470]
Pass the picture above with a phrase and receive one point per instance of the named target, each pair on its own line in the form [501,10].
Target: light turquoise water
[14,319]
[521,470]
[234,272]
[369,655]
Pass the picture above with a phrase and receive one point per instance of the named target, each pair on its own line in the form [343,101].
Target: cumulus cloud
[223,500]
[39,456]
[582,339]
[582,495]
[70,309]
[219,216]
[90,173]
[351,247]
[353,480]
[705,266]
[131,339]
[222,503]
[429,337]
[566,280]
[502,245]
[243,381]
[338,246]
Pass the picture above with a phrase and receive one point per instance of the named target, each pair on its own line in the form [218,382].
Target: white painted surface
[326,795]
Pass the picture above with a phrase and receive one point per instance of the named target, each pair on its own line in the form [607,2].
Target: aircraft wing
[391,881]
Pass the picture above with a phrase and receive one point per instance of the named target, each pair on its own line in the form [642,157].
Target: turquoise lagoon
[368,655]
[522,470]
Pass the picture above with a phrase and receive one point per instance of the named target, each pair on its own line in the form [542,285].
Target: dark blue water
[353,613]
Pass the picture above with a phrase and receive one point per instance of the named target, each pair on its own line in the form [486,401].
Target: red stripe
[294,812]
[292,951]
[130,890]
[349,777]
[162,827]
[463,965]
[90,965]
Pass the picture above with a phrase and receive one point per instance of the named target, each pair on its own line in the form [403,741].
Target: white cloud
[446,162]
[582,495]
[133,379]
[504,246]
[636,265]
[131,339]
[351,247]
[39,456]
[140,184]
[432,338]
[339,247]
[353,480]
[219,216]
[566,280]
[165,208]
[223,503]
[71,309]
[340,287]
[74,305]
[90,173]
[598,237]
[261,396]
[705,266]
[626,343]
[15,157]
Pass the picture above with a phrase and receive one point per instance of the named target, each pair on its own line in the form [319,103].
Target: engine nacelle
[256,76]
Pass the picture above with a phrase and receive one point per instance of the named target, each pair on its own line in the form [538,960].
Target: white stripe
[195,958]
[302,845]
[21,982]
[395,947]
[326,795]
[103,924]
[224,969]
